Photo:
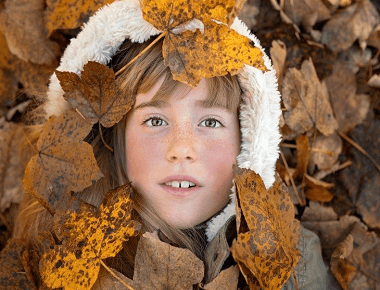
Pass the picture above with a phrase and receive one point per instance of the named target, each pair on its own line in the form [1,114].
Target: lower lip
[180,192]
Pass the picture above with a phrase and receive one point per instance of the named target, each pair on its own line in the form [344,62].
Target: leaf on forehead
[95,94]
[160,266]
[64,162]
[207,47]
[266,253]
[219,50]
[89,237]
[168,14]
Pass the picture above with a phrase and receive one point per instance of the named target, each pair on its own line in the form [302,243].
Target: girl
[177,145]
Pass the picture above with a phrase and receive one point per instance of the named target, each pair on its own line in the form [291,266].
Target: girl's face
[181,137]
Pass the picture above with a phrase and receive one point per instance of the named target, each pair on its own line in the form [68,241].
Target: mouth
[180,192]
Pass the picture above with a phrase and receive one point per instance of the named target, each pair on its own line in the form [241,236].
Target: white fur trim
[259,111]
[98,41]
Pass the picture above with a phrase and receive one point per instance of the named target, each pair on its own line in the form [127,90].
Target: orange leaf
[219,50]
[89,237]
[95,94]
[267,251]
[197,34]
[64,162]
[69,14]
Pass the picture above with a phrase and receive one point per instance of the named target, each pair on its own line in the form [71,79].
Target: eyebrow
[205,104]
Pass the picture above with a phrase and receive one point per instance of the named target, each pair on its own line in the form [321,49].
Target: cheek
[143,155]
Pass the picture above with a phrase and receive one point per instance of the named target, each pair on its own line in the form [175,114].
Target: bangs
[149,68]
[223,91]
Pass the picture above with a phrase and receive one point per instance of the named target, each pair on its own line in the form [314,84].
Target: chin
[183,222]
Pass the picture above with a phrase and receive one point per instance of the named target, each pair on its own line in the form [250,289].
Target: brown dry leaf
[278,56]
[306,101]
[301,10]
[95,94]
[13,160]
[368,202]
[226,280]
[374,81]
[325,151]
[317,212]
[354,22]
[13,269]
[332,232]
[89,237]
[22,24]
[266,253]
[361,268]
[318,190]
[344,249]
[188,54]
[64,162]
[350,109]
[69,14]
[160,266]
[303,154]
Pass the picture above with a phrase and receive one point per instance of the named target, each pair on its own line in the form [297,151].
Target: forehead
[162,98]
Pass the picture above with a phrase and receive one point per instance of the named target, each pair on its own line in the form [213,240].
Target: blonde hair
[139,77]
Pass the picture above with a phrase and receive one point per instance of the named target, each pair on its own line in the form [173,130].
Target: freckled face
[181,138]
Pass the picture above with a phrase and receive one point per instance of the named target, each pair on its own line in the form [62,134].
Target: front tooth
[175,183]
[185,184]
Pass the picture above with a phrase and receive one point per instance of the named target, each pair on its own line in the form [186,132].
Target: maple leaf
[70,14]
[64,162]
[89,237]
[205,36]
[307,101]
[265,249]
[95,94]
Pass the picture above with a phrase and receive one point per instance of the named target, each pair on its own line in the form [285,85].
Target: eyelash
[159,118]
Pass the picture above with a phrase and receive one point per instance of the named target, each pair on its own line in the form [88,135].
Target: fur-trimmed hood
[259,110]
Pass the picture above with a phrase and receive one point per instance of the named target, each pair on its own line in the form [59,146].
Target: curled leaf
[266,253]
[89,237]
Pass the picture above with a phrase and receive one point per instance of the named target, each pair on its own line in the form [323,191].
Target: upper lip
[179,177]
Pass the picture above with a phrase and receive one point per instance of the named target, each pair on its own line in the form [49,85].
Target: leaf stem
[142,52]
[101,136]
[301,201]
[115,276]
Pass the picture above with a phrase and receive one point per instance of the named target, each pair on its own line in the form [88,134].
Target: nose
[182,146]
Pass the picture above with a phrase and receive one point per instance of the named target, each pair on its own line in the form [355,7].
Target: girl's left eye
[157,122]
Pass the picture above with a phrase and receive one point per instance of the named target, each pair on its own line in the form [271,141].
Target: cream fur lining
[259,111]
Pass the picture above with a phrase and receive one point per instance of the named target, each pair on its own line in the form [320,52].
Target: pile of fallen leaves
[326,55]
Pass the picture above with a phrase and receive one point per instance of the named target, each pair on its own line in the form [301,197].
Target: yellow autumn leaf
[87,238]
[219,50]
[266,246]
[168,14]
[206,48]
[70,14]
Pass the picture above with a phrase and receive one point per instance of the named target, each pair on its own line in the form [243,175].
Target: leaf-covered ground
[326,54]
